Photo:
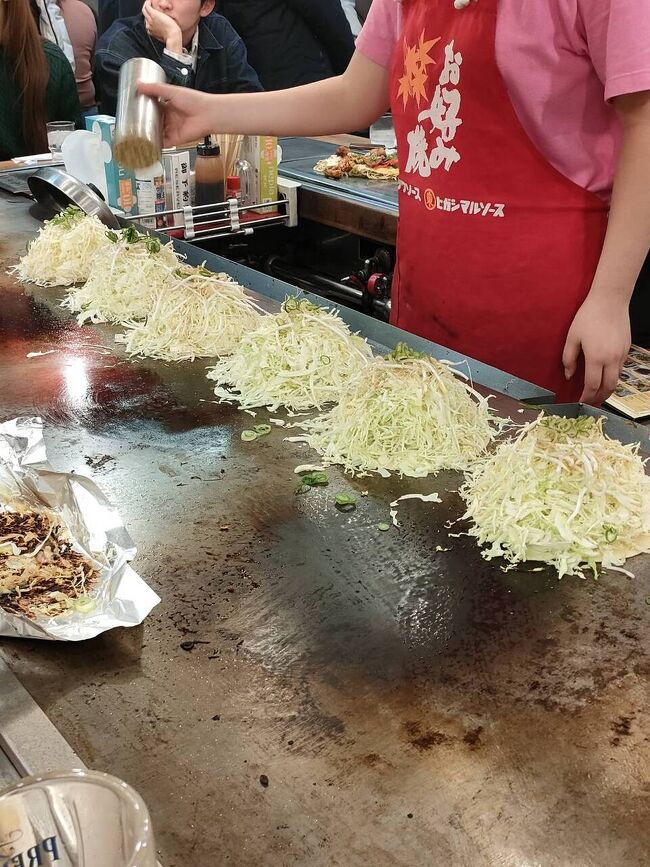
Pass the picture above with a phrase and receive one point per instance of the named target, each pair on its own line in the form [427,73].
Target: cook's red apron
[497,249]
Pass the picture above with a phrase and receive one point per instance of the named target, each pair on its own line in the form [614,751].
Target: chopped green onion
[611,534]
[383,527]
[315,479]
[647,600]
[68,217]
[262,429]
[131,235]
[345,502]
[402,352]
[112,236]
[248,436]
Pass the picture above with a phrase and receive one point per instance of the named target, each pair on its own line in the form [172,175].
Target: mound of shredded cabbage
[562,493]
[405,413]
[303,357]
[62,252]
[125,278]
[201,314]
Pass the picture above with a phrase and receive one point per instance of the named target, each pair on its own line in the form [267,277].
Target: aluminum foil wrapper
[121,597]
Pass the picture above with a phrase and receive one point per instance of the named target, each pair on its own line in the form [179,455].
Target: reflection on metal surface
[76,381]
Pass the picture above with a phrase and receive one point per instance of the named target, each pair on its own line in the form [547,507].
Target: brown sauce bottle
[209,174]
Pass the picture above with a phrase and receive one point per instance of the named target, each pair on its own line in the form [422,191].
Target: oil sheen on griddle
[210,175]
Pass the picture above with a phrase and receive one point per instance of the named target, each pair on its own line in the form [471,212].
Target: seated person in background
[195,48]
[350,9]
[292,42]
[111,10]
[51,25]
[363,8]
[82,29]
[36,83]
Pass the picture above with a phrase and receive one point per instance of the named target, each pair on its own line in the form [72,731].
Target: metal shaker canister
[138,124]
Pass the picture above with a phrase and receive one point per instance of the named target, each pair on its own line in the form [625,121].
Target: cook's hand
[186,112]
[163,28]
[601,329]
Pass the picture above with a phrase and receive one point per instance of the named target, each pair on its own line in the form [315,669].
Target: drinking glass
[75,819]
[382,132]
[57,133]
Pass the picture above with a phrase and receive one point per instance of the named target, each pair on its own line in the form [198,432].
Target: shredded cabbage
[303,357]
[405,413]
[63,250]
[124,280]
[201,314]
[563,493]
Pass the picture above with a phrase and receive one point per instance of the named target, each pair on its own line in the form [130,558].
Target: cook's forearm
[628,233]
[341,104]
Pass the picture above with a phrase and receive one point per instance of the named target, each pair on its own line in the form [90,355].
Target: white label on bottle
[151,197]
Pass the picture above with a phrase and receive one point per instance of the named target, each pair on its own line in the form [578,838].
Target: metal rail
[27,737]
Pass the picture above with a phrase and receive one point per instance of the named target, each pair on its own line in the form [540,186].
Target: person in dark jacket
[195,47]
[363,8]
[111,10]
[292,42]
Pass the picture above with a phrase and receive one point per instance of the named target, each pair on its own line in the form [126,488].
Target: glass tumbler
[382,132]
[75,819]
[57,133]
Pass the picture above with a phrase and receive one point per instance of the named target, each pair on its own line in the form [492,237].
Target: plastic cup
[75,819]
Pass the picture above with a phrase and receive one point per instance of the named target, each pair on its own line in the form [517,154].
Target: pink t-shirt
[561,61]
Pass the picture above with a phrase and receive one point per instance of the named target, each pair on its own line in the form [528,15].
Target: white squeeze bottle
[150,193]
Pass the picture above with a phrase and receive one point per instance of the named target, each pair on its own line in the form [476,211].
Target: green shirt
[61,100]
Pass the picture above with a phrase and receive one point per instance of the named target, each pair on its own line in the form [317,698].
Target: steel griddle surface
[379,194]
[408,706]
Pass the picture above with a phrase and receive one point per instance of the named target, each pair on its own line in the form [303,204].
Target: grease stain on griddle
[473,738]
[424,739]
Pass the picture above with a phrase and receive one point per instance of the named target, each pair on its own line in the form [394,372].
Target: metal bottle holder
[56,190]
[220,219]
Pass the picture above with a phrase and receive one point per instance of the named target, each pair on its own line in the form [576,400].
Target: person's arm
[349,101]
[601,328]
[326,20]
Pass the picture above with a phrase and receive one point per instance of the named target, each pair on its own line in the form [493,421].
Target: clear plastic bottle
[210,176]
[246,173]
